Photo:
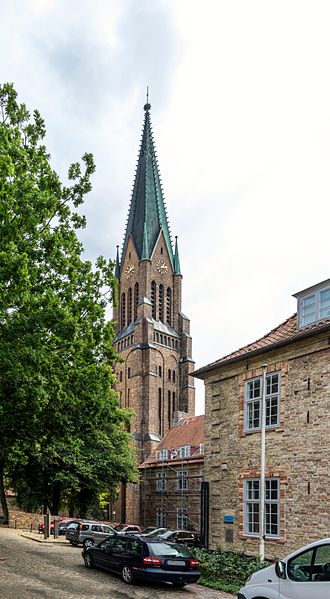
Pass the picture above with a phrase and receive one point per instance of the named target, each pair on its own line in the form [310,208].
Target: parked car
[184,537]
[88,532]
[124,529]
[304,574]
[63,525]
[135,558]
[41,525]
[152,531]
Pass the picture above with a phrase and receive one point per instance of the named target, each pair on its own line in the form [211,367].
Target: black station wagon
[150,560]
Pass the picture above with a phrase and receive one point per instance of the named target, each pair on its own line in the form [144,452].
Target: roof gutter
[201,372]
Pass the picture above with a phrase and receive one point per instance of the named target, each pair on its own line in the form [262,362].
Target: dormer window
[162,455]
[185,451]
[314,304]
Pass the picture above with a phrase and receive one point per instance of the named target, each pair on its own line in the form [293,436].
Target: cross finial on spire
[147,106]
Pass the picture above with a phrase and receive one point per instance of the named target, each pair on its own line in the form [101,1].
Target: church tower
[152,335]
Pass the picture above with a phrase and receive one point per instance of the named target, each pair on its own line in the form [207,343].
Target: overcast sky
[240,95]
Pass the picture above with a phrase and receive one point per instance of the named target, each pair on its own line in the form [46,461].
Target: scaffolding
[174,487]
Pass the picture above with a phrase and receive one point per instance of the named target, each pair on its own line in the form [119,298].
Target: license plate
[173,562]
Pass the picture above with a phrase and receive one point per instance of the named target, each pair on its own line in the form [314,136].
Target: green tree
[61,429]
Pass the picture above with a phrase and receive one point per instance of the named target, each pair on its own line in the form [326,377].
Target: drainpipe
[262,468]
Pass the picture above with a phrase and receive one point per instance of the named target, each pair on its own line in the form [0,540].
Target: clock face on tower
[129,271]
[161,266]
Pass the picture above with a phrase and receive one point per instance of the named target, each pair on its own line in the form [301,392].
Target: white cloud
[240,99]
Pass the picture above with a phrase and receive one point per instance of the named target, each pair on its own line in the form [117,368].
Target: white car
[304,574]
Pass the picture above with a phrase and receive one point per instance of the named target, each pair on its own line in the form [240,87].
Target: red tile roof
[188,431]
[286,331]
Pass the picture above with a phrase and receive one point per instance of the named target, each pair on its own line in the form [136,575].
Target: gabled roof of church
[147,213]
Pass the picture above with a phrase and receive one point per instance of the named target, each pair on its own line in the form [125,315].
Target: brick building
[153,335]
[171,478]
[294,361]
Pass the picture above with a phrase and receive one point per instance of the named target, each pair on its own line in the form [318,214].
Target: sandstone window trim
[251,507]
[253,398]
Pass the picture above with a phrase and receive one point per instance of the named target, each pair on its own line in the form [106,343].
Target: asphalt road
[31,570]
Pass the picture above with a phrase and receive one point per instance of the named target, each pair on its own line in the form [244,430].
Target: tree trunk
[56,498]
[3,498]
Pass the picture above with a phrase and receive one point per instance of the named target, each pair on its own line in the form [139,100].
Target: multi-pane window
[253,399]
[160,481]
[162,454]
[181,518]
[185,451]
[252,506]
[160,517]
[182,480]
[314,307]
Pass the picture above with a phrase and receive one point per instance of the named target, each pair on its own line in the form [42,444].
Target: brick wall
[296,451]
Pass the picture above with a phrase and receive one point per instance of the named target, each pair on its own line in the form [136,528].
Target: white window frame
[161,517]
[314,307]
[201,448]
[253,398]
[184,451]
[181,518]
[182,480]
[161,455]
[160,481]
[251,498]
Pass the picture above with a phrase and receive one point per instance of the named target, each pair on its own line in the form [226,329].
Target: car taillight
[193,563]
[155,562]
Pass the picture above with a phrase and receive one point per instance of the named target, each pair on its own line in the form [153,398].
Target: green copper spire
[147,214]
[117,269]
[145,247]
[176,258]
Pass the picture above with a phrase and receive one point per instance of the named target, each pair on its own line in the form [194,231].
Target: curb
[46,541]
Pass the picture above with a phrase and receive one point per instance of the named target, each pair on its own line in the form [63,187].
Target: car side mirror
[280,569]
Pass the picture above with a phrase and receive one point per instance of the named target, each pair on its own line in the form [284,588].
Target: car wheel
[127,574]
[179,585]
[88,561]
[88,543]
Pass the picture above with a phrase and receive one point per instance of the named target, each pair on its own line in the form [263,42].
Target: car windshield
[166,534]
[119,527]
[165,550]
[154,532]
[148,530]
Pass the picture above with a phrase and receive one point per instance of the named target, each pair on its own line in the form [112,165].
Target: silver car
[88,532]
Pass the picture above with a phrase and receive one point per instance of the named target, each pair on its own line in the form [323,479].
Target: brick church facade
[152,334]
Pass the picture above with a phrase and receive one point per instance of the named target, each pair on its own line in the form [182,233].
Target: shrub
[226,566]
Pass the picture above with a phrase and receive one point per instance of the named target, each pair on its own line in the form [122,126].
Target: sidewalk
[39,537]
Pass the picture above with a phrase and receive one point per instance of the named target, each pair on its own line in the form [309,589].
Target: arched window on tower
[130,306]
[160,411]
[169,306]
[136,299]
[161,303]
[123,310]
[169,412]
[153,299]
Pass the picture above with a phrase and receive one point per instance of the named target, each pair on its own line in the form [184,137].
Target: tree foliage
[62,433]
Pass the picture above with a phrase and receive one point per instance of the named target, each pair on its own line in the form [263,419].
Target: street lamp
[262,467]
